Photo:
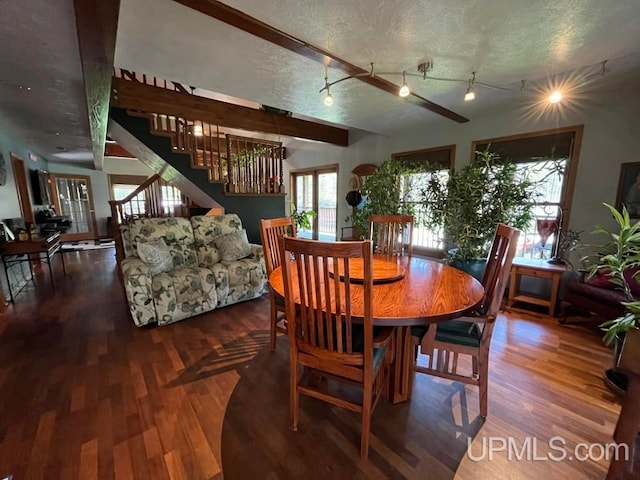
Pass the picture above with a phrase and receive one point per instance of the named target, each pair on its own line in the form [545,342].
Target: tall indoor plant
[387,191]
[473,200]
[621,256]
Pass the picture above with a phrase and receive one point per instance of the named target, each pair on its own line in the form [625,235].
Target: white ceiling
[505,41]
[42,103]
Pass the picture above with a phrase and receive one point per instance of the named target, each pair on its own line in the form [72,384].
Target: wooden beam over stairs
[97,23]
[146,98]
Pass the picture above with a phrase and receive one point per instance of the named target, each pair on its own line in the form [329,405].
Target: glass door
[317,190]
[73,198]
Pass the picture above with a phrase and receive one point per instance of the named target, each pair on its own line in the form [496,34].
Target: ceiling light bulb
[469,96]
[328,100]
[555,97]
[404,89]
[197,130]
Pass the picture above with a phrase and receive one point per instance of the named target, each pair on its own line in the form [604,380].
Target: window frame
[451,148]
[315,172]
[568,184]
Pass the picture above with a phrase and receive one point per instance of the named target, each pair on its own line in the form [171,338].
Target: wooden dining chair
[325,338]
[444,342]
[391,234]
[271,230]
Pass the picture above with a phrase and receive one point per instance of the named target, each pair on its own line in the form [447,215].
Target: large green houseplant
[473,200]
[621,255]
[387,191]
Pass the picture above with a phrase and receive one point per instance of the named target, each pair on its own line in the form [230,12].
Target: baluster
[185,133]
[220,170]
[280,171]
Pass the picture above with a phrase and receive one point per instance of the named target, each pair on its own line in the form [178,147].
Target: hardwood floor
[85,394]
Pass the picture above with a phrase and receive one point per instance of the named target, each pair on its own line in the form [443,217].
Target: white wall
[611,135]
[9,205]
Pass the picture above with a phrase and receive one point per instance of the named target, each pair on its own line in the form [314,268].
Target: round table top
[429,292]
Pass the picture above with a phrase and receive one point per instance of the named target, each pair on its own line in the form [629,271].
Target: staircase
[245,165]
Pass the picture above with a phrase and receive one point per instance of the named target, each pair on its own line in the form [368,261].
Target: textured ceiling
[504,41]
[40,54]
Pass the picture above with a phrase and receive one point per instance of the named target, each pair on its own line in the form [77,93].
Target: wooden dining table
[408,291]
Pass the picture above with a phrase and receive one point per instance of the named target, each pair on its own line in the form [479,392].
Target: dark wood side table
[537,268]
[23,251]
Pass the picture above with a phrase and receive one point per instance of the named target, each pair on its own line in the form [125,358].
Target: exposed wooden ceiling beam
[147,98]
[116,150]
[241,20]
[97,23]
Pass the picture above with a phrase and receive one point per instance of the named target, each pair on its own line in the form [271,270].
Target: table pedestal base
[401,372]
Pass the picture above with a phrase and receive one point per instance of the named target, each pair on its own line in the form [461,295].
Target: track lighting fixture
[328,100]
[404,89]
[554,97]
[470,94]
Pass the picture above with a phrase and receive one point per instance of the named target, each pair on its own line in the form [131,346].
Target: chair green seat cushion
[459,332]
[419,330]
[357,333]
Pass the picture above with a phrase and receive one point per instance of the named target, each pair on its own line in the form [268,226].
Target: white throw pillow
[156,256]
[233,246]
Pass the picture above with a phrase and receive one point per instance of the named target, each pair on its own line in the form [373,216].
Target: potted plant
[473,200]
[386,191]
[303,218]
[620,262]
[622,255]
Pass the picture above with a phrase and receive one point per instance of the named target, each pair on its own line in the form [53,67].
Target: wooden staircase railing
[154,198]
[255,166]
[149,80]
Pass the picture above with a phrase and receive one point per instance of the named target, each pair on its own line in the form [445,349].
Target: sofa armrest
[137,286]
[134,266]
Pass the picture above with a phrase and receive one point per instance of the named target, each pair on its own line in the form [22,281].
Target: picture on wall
[629,189]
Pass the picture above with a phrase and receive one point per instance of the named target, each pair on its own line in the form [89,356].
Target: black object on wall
[40,187]
[250,209]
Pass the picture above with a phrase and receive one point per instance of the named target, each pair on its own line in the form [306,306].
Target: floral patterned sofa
[196,279]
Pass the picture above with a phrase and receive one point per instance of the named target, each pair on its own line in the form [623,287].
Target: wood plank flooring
[84,394]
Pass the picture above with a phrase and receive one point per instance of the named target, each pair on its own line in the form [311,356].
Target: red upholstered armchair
[597,294]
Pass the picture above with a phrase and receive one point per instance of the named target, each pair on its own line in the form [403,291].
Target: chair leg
[367,402]
[483,372]
[274,318]
[294,396]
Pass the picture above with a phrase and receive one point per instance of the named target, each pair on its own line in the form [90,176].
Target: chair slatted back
[323,283]
[496,273]
[392,234]
[271,230]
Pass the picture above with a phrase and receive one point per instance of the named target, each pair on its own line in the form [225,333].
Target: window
[425,240]
[317,190]
[552,158]
[124,185]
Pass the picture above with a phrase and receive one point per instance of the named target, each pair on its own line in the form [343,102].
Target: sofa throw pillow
[156,256]
[233,246]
